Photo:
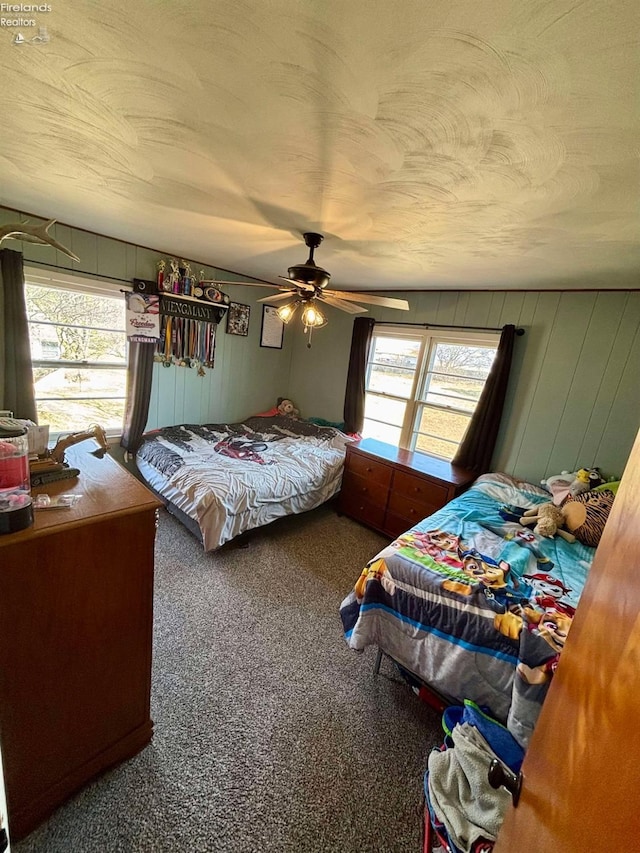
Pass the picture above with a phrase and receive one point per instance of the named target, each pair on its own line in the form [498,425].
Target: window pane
[454,391]
[438,429]
[390,380]
[78,415]
[463,360]
[383,409]
[70,382]
[70,325]
[67,343]
[436,446]
[82,309]
[383,432]
[396,352]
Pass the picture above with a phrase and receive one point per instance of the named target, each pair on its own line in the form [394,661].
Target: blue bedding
[473,603]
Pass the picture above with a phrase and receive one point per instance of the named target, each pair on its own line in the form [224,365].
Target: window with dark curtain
[16,379]
[355,391]
[139,376]
[477,446]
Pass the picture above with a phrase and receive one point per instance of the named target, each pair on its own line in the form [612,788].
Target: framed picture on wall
[238,319]
[272,331]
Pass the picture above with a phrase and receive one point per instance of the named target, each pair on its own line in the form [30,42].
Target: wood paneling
[574,398]
[574,395]
[246,378]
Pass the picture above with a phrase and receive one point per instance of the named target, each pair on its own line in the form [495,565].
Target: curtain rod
[447,326]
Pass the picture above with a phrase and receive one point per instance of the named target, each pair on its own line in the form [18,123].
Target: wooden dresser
[391,489]
[76,611]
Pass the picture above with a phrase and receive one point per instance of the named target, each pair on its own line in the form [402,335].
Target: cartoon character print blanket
[474,604]
[230,478]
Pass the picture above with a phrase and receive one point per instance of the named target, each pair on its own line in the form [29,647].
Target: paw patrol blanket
[474,604]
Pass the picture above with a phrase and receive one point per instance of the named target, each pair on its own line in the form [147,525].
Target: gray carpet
[270,734]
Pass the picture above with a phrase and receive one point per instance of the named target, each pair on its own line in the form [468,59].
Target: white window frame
[416,403]
[96,287]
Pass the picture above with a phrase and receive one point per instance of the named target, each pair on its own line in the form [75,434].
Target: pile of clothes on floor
[464,812]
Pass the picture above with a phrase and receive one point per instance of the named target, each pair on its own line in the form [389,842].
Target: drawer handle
[369,470]
[417,489]
[364,489]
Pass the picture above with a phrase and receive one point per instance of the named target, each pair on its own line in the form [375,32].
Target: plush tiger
[587,514]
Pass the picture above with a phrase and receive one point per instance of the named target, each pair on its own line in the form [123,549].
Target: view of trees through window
[422,389]
[78,348]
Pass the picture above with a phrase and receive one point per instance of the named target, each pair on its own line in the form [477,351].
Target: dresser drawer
[363,510]
[355,488]
[395,525]
[419,489]
[374,471]
[409,509]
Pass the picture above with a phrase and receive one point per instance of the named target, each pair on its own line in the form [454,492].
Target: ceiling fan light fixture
[312,317]
[286,312]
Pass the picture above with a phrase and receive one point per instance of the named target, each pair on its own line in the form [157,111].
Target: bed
[224,479]
[473,604]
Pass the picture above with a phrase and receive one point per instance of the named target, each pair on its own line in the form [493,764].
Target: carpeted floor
[270,734]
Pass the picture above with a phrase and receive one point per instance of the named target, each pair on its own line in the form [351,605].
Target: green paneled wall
[246,379]
[574,396]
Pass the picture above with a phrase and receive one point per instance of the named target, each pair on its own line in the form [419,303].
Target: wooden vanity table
[76,612]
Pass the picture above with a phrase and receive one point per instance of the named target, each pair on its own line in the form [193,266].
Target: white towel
[459,789]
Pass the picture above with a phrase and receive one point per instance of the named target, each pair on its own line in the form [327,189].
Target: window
[422,387]
[78,348]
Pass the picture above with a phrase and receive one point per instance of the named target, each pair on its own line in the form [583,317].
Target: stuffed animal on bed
[549,520]
[564,484]
[283,407]
[286,407]
[584,480]
[586,515]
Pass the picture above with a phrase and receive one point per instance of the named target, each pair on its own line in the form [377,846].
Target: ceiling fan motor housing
[310,274]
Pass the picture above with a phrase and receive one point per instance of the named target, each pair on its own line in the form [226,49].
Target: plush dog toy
[286,407]
[549,520]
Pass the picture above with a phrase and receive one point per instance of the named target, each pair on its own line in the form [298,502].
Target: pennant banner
[142,317]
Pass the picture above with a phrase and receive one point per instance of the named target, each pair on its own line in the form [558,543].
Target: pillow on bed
[587,514]
[612,487]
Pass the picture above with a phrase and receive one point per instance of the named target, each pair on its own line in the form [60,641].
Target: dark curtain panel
[16,374]
[139,373]
[476,448]
[354,395]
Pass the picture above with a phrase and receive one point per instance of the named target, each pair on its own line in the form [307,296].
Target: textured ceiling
[435,144]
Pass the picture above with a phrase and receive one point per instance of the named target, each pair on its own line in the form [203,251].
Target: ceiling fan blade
[368,299]
[349,307]
[278,297]
[294,282]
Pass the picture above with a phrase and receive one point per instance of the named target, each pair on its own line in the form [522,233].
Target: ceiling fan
[306,286]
